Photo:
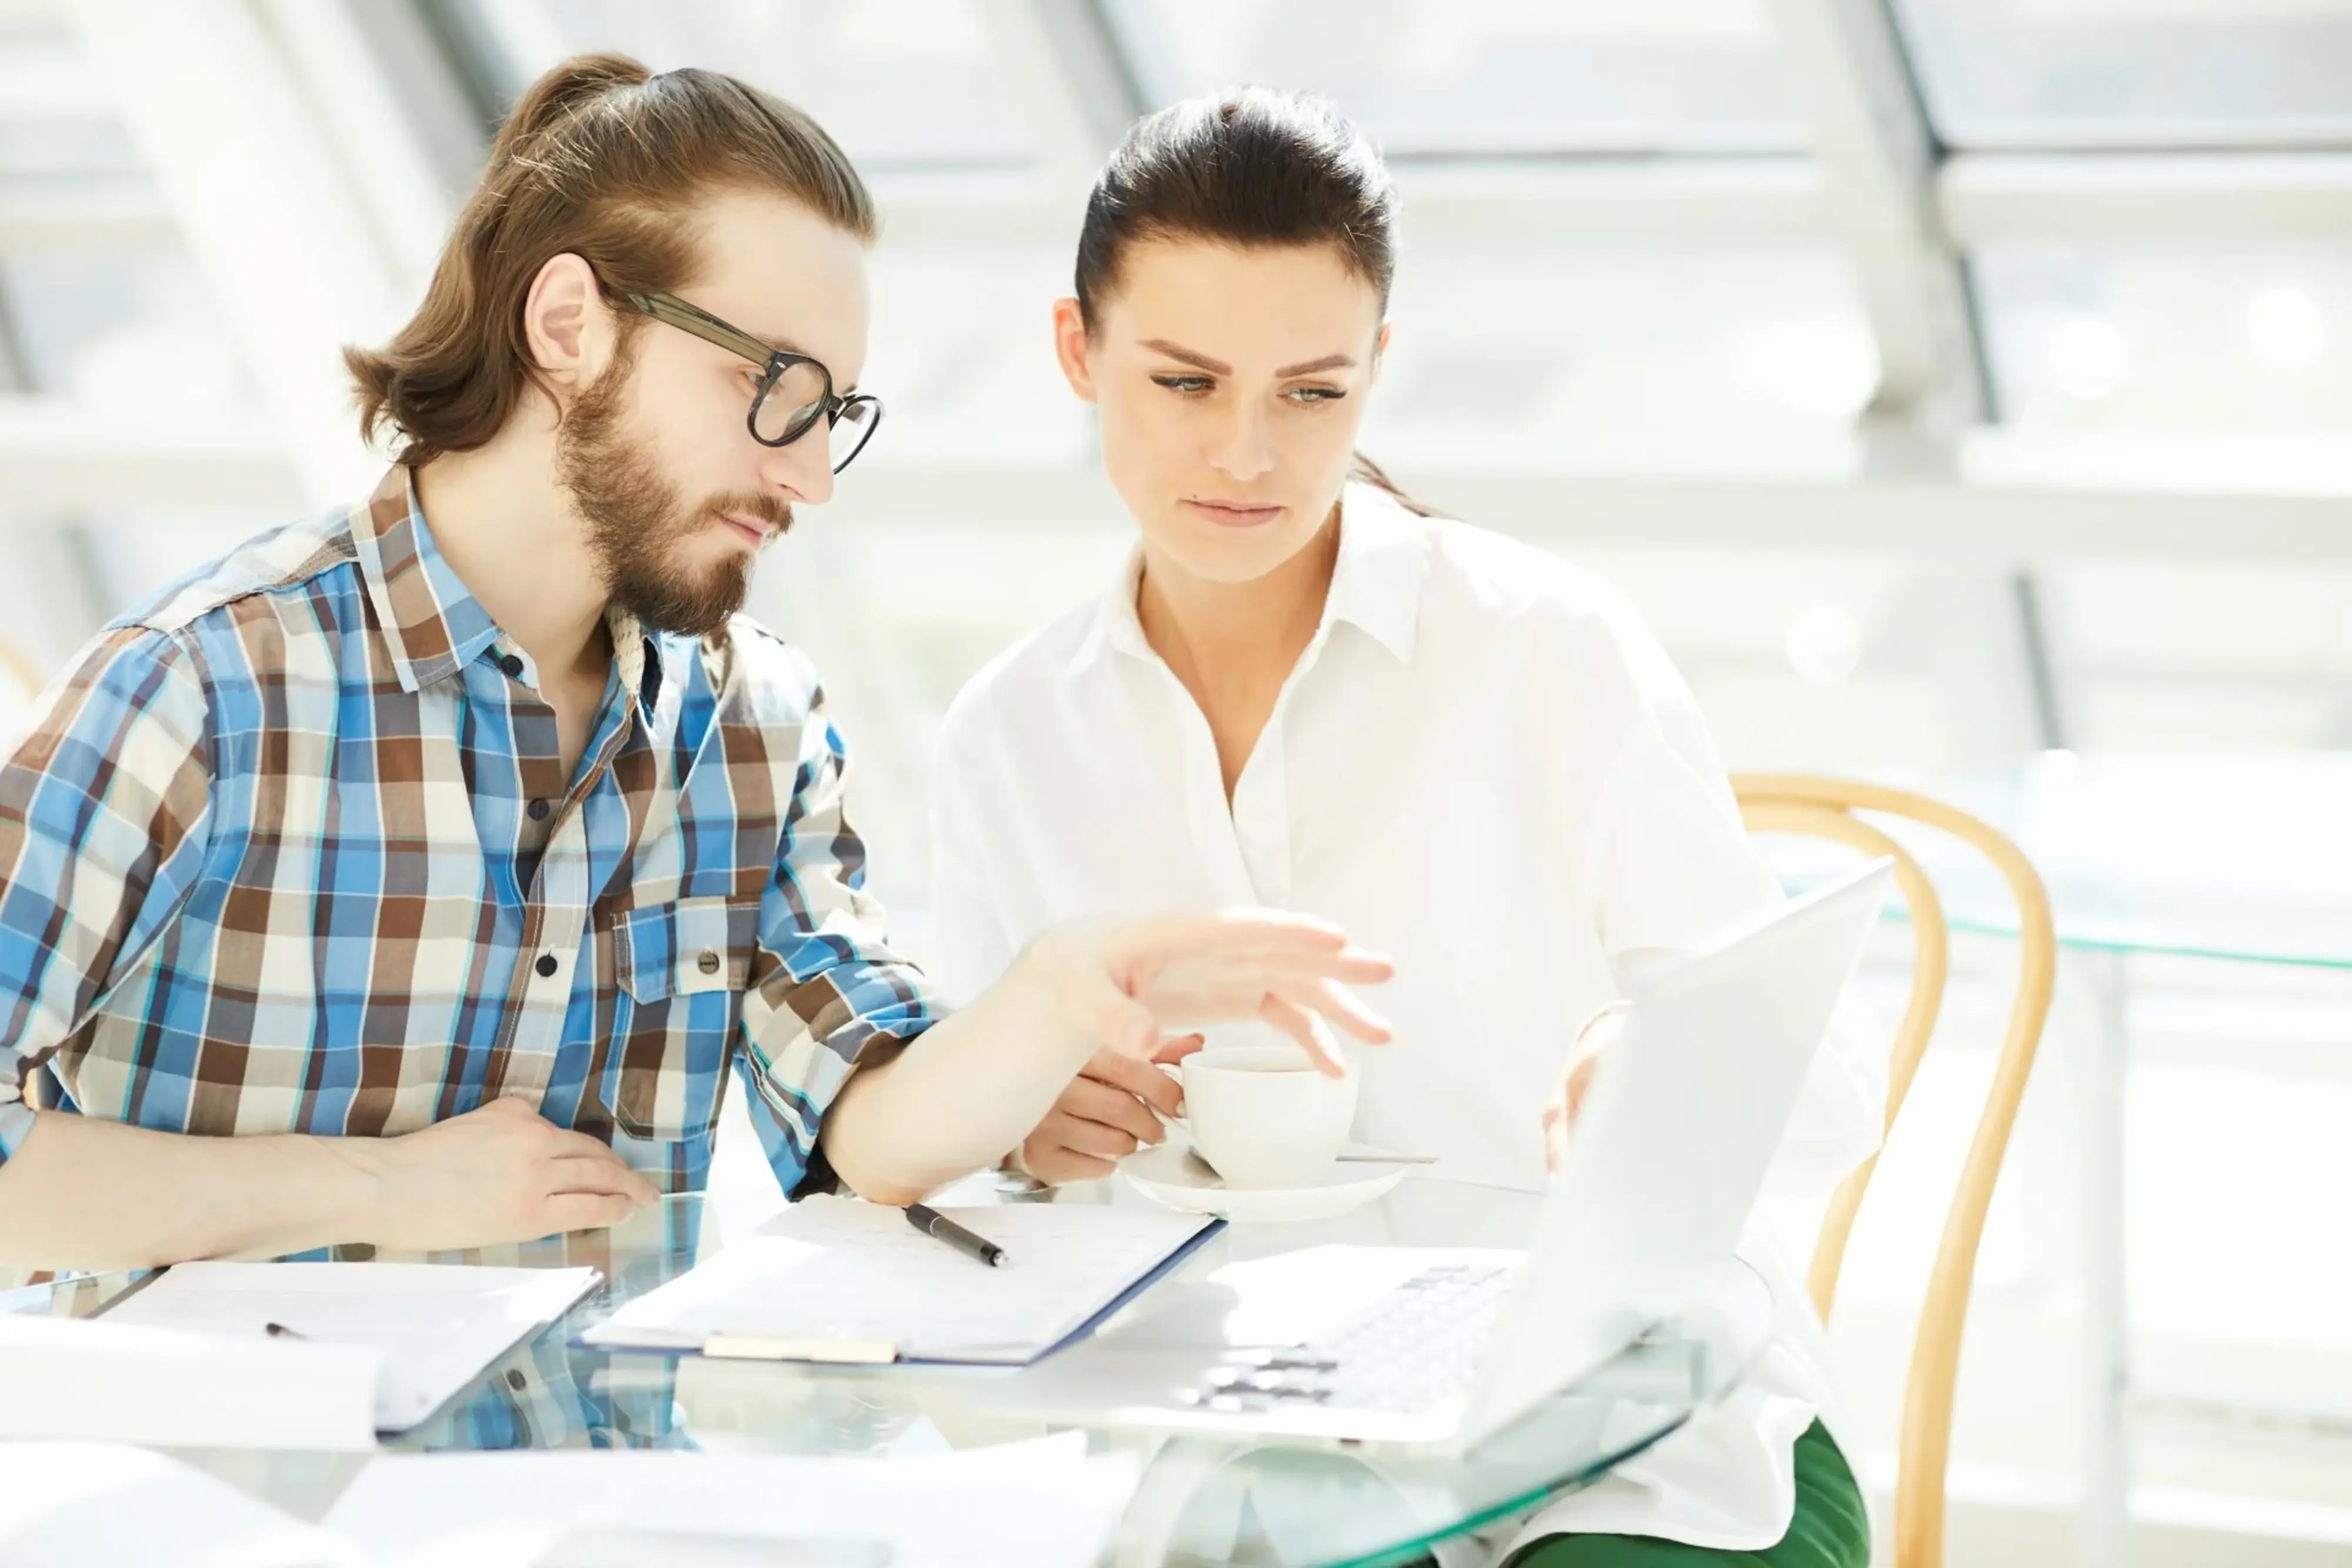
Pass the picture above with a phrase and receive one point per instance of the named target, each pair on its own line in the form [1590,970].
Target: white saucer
[1170,1173]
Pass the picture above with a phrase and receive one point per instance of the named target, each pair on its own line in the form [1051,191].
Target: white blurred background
[1963,387]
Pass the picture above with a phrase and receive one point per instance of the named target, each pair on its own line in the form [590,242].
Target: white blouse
[1485,767]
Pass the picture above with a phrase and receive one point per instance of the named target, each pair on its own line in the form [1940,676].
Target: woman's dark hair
[1249,167]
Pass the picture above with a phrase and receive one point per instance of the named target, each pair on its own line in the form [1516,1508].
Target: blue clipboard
[819,1350]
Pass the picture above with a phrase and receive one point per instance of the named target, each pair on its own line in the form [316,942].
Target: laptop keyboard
[1406,1351]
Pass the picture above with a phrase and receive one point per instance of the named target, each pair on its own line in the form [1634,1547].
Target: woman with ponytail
[1307,690]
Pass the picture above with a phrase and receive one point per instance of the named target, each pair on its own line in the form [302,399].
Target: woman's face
[1230,383]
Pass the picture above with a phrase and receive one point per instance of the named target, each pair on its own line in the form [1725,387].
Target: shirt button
[539,811]
[709,962]
[511,665]
[515,1379]
[547,963]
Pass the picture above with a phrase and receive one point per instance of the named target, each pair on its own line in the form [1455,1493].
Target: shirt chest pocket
[679,969]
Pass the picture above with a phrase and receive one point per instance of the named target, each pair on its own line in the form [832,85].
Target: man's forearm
[962,1093]
[83,1193]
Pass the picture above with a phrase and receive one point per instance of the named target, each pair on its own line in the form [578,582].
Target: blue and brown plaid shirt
[292,849]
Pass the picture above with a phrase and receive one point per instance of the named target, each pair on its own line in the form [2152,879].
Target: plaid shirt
[292,849]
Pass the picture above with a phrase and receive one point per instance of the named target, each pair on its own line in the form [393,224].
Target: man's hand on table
[503,1172]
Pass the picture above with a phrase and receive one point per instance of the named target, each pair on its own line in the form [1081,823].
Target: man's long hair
[603,160]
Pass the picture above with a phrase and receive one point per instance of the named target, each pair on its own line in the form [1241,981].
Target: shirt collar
[1376,583]
[431,619]
[433,623]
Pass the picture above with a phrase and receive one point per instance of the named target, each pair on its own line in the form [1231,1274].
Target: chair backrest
[1827,808]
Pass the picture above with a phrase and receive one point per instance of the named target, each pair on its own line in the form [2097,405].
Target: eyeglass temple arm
[686,318]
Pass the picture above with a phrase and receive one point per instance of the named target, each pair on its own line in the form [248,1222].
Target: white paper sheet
[831,1269]
[1029,1505]
[104,1505]
[439,1326]
[100,1380]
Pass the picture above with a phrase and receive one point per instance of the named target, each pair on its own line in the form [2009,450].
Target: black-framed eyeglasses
[795,392]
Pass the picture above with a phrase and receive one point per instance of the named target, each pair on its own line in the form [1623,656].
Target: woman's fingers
[1279,929]
[1172,1052]
[1172,970]
[1357,967]
[1333,1003]
[1063,1131]
[1579,1084]
[1305,1028]
[1091,1099]
[1142,1080]
[1555,1134]
[1298,941]
[1053,1164]
[1273,934]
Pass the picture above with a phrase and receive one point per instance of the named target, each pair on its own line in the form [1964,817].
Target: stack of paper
[104,1505]
[1027,1505]
[98,1379]
[831,1278]
[435,1327]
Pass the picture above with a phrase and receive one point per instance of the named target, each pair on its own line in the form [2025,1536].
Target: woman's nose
[1246,451]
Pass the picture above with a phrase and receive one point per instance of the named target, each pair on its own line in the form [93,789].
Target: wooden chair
[1827,809]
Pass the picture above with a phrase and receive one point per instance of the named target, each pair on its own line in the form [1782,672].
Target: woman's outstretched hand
[1132,984]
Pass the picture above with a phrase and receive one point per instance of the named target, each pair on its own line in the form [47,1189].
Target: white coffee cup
[1262,1114]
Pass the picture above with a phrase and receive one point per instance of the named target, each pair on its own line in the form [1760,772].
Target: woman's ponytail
[1363,468]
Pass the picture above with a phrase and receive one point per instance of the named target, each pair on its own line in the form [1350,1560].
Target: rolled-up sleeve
[828,995]
[104,809]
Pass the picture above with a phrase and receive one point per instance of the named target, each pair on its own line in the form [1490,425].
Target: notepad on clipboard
[835,1280]
[437,1326]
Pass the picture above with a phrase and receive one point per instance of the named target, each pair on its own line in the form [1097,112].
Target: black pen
[937,1226]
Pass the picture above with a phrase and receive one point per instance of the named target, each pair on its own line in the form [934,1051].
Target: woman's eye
[1191,386]
[1309,396]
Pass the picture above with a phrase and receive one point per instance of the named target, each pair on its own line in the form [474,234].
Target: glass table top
[1200,1501]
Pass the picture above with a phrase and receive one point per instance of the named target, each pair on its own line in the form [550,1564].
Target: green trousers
[1830,1529]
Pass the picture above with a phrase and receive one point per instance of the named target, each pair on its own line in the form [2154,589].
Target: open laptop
[1435,1348]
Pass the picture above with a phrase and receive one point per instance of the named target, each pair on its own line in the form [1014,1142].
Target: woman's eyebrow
[1162,346]
[1218,367]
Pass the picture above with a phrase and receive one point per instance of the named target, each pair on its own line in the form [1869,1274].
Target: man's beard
[636,525]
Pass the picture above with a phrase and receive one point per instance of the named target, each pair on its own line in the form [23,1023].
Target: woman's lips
[1234,514]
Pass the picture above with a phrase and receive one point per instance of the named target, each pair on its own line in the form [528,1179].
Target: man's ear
[567,325]
[1072,350]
